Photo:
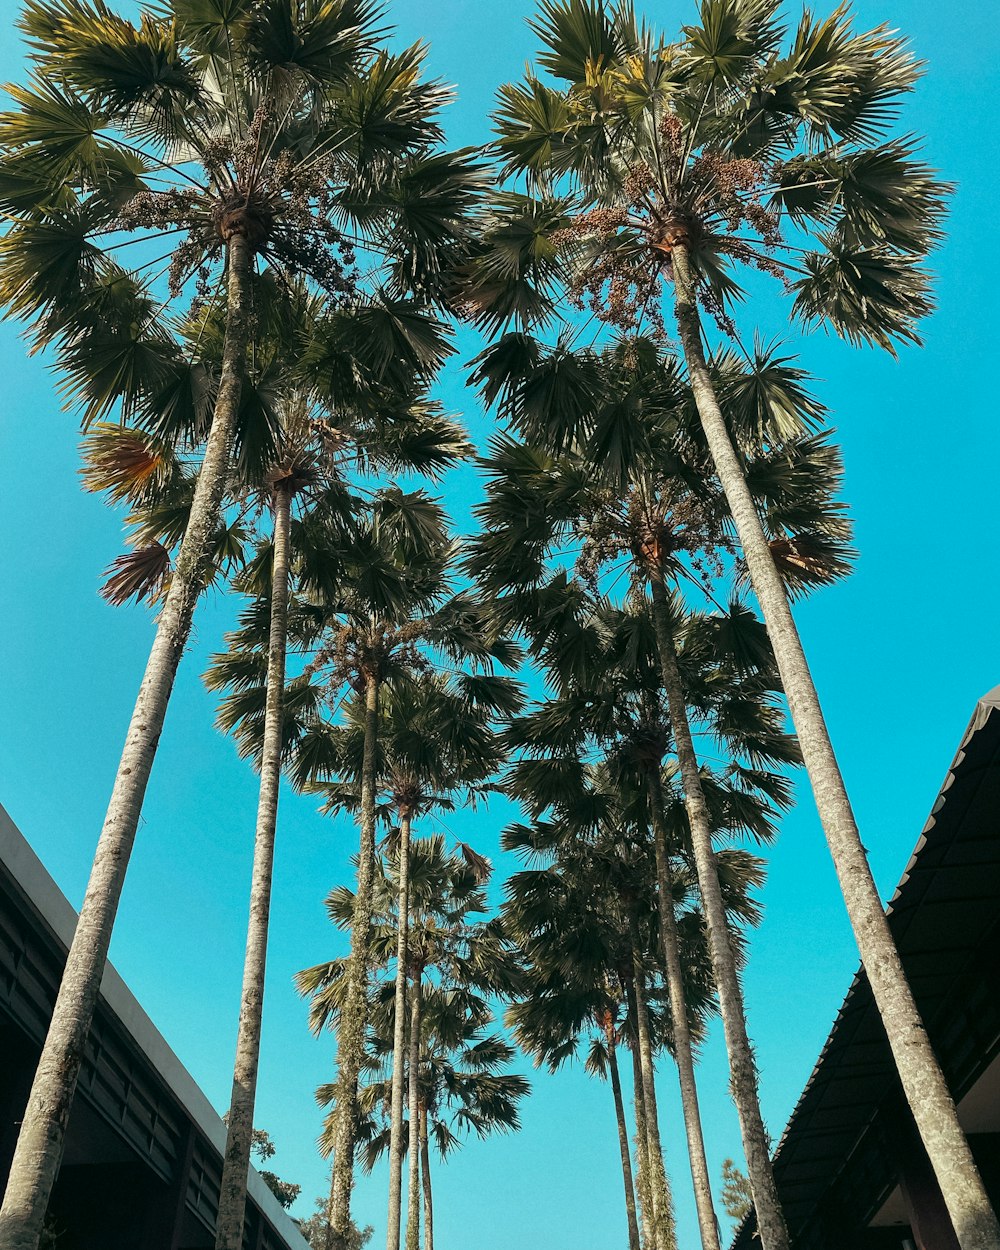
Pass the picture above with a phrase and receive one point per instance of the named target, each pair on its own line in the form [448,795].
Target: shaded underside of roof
[131,1082]
[944,918]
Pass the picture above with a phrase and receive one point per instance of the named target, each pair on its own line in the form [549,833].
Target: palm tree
[292,438]
[616,476]
[629,732]
[685,161]
[442,743]
[230,128]
[358,628]
[428,443]
[446,1017]
[288,479]
[602,1060]
[388,612]
[465,955]
[436,745]
[654,1164]
[641,737]
[463,1089]
[572,984]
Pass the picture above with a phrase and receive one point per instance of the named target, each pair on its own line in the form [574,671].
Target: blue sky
[900,652]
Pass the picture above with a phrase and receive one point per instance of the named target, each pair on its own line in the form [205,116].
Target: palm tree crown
[749,144]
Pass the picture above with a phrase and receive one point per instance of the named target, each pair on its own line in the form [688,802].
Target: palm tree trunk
[354,1016]
[399,1036]
[665,1234]
[413,1185]
[927,1093]
[40,1142]
[683,1048]
[616,1089]
[425,1173]
[742,1069]
[239,1134]
[641,1152]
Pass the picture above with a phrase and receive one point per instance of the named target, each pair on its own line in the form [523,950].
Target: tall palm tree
[621,476]
[685,161]
[437,747]
[640,738]
[468,958]
[388,613]
[287,480]
[637,764]
[292,438]
[427,443]
[447,943]
[574,985]
[355,619]
[237,130]
[464,1088]
[665,1231]
[608,714]
[443,744]
[602,1060]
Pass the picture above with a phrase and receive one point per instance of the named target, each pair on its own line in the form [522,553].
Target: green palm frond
[513,271]
[765,399]
[320,42]
[733,39]
[875,197]
[582,38]
[867,295]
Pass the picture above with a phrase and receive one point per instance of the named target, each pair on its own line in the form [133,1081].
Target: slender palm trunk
[927,1093]
[683,1048]
[425,1173]
[742,1069]
[641,1152]
[40,1143]
[354,1016]
[239,1134]
[413,1182]
[399,1036]
[663,1214]
[616,1089]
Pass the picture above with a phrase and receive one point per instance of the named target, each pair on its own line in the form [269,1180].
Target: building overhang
[945,918]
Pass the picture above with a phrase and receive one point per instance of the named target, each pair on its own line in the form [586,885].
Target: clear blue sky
[901,652]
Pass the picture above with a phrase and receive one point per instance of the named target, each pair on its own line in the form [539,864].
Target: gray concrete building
[143,1157]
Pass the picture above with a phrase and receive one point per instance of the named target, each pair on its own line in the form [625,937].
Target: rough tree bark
[616,1090]
[663,1214]
[683,1048]
[926,1090]
[641,1153]
[354,1016]
[425,1175]
[399,1036]
[413,1181]
[40,1142]
[239,1133]
[742,1069]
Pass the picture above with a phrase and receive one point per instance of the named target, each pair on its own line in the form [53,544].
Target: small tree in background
[263,1149]
[737,1198]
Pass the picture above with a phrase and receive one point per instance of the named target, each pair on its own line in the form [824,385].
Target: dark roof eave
[942,823]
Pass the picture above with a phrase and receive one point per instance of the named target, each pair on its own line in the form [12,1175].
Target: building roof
[941,916]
